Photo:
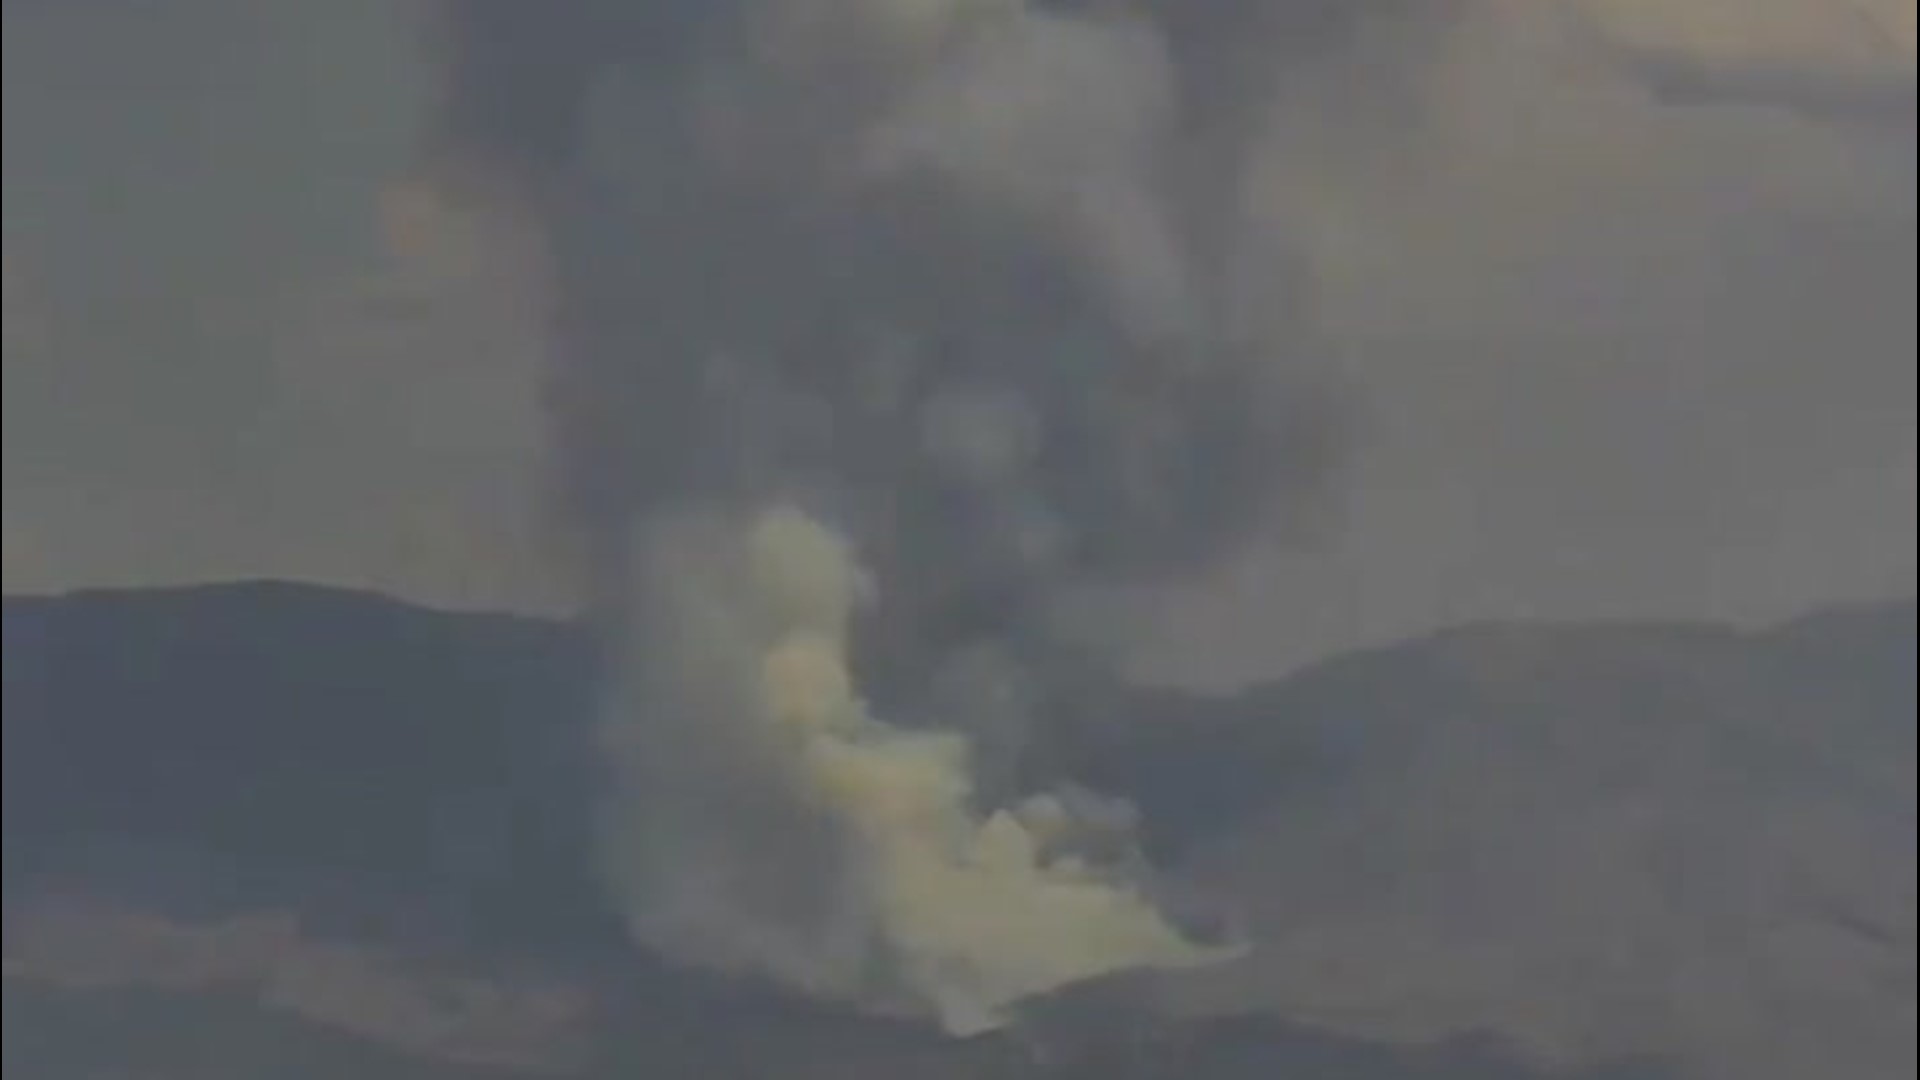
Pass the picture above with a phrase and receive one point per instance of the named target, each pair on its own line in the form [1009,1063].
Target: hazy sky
[1627,301]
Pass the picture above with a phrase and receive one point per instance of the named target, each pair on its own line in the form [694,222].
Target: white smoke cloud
[824,847]
[1834,57]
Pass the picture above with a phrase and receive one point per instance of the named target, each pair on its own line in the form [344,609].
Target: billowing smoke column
[878,324]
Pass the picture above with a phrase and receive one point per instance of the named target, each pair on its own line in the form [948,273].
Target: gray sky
[1628,302]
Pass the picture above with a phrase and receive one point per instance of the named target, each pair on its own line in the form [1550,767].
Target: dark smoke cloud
[722,250]
[958,280]
[787,252]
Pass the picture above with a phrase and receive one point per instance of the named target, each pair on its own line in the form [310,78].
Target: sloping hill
[247,743]
[1599,841]
[1670,839]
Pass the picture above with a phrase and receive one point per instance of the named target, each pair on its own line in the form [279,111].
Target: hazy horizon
[1618,350]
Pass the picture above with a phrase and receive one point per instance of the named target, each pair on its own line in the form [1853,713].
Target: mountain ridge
[391,773]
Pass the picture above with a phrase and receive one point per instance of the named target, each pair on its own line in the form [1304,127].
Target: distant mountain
[1633,838]
[58,1033]
[54,1032]
[257,805]
[300,742]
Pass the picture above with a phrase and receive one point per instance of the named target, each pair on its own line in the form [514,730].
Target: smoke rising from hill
[877,323]
[913,314]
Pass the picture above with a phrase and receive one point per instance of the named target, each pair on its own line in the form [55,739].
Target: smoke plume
[880,324]
[877,325]
[776,826]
